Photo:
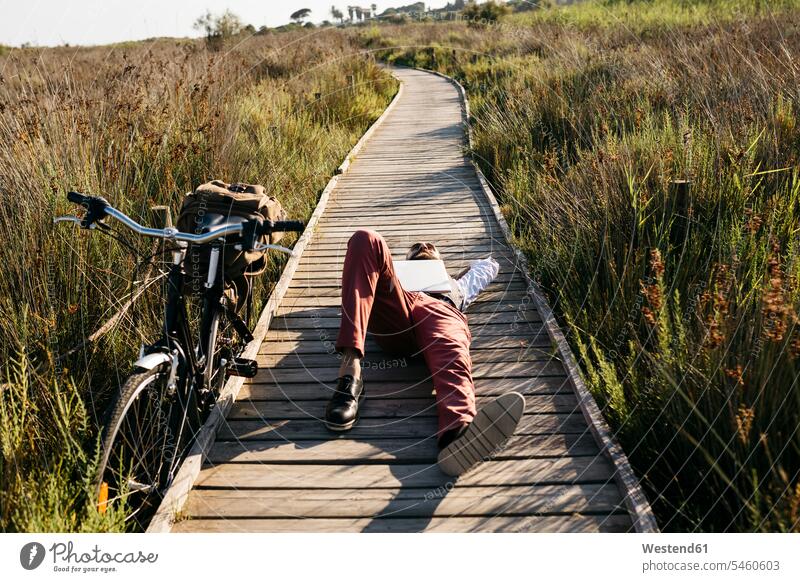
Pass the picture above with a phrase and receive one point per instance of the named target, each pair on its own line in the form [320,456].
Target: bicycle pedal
[243,367]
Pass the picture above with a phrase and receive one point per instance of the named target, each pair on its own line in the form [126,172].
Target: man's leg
[466,436]
[372,299]
[444,338]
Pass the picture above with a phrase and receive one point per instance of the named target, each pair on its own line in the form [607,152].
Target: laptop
[423,275]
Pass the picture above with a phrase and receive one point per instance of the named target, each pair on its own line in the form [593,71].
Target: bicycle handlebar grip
[78,198]
[95,207]
[288,226]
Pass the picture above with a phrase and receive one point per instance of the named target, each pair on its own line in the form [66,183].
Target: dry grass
[683,310]
[141,124]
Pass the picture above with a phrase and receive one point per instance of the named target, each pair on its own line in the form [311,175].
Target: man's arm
[476,278]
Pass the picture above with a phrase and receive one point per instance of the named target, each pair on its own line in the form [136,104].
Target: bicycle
[175,380]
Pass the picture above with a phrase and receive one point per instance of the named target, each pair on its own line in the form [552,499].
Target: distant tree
[249,29]
[526,5]
[487,12]
[300,15]
[219,28]
[263,29]
[337,14]
[374,8]
[309,24]
[351,11]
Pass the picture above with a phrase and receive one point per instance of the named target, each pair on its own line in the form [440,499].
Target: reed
[141,124]
[681,301]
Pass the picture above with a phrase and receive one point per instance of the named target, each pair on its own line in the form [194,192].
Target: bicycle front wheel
[144,439]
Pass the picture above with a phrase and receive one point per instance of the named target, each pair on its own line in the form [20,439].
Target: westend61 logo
[66,559]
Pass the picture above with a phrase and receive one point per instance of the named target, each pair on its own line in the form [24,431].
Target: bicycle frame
[176,343]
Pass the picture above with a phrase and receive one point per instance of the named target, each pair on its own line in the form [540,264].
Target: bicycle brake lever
[74,219]
[67,218]
[264,247]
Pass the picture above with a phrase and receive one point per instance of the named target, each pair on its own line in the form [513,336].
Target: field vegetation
[645,153]
[647,157]
[141,124]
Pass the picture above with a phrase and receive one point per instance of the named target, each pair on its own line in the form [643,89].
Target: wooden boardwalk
[273,465]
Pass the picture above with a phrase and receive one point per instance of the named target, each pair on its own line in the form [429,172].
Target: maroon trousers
[407,323]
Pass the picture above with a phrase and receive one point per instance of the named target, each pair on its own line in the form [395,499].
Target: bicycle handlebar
[98,208]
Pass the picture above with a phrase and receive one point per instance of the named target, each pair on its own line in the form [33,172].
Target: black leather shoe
[342,410]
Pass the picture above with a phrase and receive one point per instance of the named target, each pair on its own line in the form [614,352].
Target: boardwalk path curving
[274,467]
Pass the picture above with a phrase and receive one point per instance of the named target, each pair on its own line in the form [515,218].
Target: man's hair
[417,249]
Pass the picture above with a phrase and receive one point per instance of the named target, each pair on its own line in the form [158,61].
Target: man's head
[423,251]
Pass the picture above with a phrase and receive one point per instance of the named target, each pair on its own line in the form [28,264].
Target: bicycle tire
[122,443]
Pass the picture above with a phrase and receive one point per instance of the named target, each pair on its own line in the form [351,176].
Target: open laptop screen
[423,275]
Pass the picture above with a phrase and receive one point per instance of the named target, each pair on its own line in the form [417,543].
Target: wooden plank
[508,292]
[334,280]
[435,231]
[454,258]
[516,524]
[488,301]
[332,306]
[306,320]
[453,239]
[332,266]
[479,342]
[404,449]
[275,357]
[507,330]
[454,264]
[402,389]
[405,502]
[383,407]
[546,471]
[393,369]
[369,216]
[378,221]
[419,426]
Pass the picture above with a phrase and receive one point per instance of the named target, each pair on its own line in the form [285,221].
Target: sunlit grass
[682,308]
[643,16]
[141,124]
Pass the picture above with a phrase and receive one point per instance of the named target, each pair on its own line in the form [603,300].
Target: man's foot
[342,410]
[481,439]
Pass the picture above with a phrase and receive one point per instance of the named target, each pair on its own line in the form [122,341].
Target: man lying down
[405,322]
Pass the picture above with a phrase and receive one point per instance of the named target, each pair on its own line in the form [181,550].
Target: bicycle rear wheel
[148,430]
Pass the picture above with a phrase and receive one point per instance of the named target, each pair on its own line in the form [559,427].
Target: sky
[87,22]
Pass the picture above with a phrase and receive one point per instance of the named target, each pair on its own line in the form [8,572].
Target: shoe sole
[491,428]
[341,427]
[349,425]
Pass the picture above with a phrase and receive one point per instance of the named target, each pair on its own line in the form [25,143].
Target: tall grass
[650,16]
[682,308]
[141,124]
